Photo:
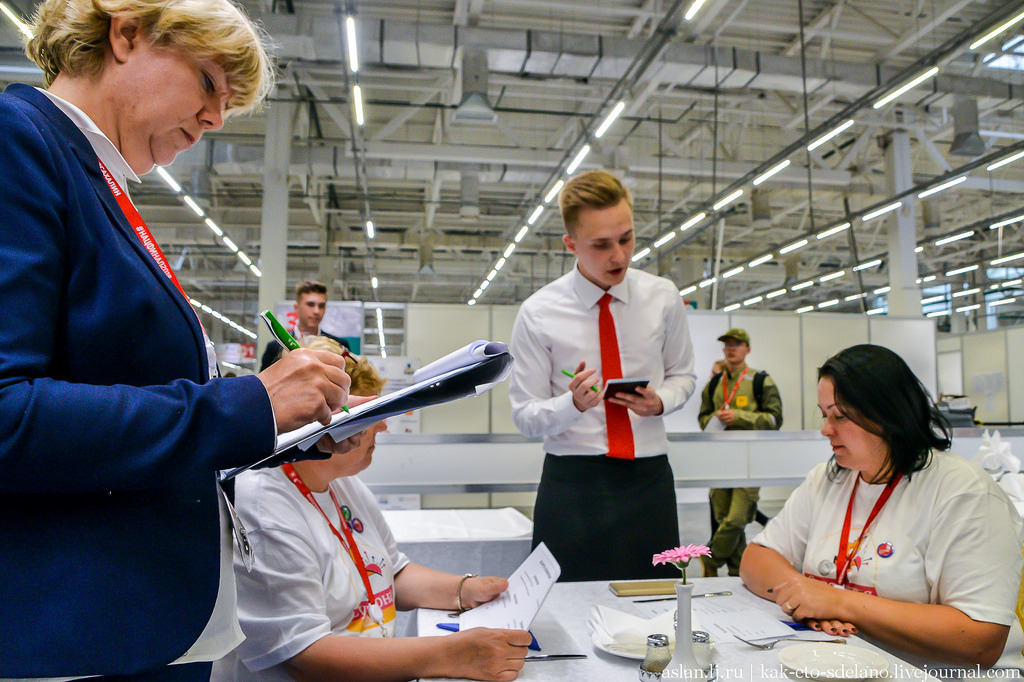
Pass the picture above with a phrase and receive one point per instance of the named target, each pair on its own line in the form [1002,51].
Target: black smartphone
[616,386]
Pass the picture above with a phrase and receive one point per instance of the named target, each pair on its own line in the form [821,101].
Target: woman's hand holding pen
[584,396]
[305,386]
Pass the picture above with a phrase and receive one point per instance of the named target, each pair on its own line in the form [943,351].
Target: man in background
[740,398]
[310,306]
[606,500]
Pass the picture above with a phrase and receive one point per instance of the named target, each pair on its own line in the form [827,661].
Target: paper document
[467,355]
[740,615]
[714,424]
[516,607]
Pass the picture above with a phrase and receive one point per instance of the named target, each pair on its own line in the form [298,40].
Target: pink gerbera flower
[680,556]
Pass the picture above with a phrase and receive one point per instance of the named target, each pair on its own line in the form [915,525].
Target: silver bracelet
[458,591]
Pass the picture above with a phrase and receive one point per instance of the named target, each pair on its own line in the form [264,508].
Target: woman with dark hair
[924,544]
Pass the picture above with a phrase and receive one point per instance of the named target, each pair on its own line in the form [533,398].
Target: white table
[562,624]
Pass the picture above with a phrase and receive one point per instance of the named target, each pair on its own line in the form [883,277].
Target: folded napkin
[994,455]
[627,634]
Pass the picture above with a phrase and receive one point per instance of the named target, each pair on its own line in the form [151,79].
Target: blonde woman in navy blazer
[113,532]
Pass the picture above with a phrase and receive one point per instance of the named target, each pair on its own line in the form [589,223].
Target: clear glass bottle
[657,657]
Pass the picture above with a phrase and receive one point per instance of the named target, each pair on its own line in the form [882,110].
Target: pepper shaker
[657,658]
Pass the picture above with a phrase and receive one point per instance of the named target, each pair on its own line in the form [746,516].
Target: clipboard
[462,382]
[642,588]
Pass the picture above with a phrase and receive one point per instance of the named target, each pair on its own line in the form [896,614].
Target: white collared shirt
[557,327]
[222,632]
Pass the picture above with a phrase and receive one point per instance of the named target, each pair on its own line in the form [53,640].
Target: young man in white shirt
[310,307]
[606,500]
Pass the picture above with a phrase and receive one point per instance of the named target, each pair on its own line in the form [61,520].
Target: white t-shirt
[948,536]
[304,585]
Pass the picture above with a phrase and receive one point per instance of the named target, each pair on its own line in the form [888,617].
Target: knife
[725,593]
[554,657]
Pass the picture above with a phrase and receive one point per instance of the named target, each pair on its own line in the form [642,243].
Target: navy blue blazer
[110,428]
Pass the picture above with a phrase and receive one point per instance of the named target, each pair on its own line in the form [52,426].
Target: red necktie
[620,431]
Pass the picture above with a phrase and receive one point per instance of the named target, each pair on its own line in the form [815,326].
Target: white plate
[596,641]
[824,661]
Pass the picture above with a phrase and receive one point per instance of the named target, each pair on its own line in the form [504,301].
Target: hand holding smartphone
[616,386]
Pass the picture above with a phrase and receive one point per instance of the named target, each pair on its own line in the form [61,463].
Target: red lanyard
[348,542]
[725,384]
[139,226]
[845,555]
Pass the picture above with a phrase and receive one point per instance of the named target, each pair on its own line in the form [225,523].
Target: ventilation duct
[474,108]
[966,139]
[427,256]
[931,214]
[760,208]
[469,193]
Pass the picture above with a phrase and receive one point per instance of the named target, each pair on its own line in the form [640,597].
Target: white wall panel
[502,319]
[985,372]
[775,348]
[822,336]
[913,339]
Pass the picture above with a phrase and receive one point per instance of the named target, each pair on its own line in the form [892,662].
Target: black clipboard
[454,385]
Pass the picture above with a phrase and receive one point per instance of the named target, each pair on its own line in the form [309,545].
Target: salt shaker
[702,649]
[657,657]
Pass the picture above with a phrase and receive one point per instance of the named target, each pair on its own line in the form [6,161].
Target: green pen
[282,336]
[573,376]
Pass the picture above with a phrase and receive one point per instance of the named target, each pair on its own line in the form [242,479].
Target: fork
[771,645]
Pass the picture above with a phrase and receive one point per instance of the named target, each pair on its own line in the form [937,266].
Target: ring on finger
[788,606]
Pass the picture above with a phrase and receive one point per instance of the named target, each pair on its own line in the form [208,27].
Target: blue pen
[454,627]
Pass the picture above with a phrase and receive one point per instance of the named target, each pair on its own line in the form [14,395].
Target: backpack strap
[713,384]
[759,378]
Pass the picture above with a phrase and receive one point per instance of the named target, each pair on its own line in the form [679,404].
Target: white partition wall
[914,339]
[775,348]
[985,374]
[705,328]
[1015,372]
[502,319]
[822,336]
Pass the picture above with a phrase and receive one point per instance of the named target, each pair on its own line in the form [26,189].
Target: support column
[905,296]
[280,119]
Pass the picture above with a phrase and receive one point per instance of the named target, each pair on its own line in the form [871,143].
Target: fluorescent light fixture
[805,309]
[256,271]
[993,286]
[491,275]
[172,182]
[16,20]
[775,294]
[1011,283]
[854,297]
[665,239]
[533,216]
[938,188]
[1003,162]
[580,155]
[195,302]
[509,249]
[206,308]
[881,211]
[642,253]
[692,221]
[500,264]
[777,168]
[869,264]
[730,308]
[373,282]
[759,261]
[968,308]
[922,77]
[829,304]
[876,311]
[938,313]
[802,285]
[369,229]
[831,276]
[752,301]
[1008,221]
[521,233]
[929,278]
[688,290]
[1002,301]
[996,31]
[829,135]
[609,119]
[553,192]
[730,273]
[708,282]
[478,293]
[919,249]
[882,290]
[954,238]
[353,53]
[932,299]
[833,230]
[213,226]
[722,203]
[694,8]
[484,284]
[965,292]
[230,244]
[193,205]
[1006,259]
[357,99]
[960,271]
[471,301]
[793,247]
[244,258]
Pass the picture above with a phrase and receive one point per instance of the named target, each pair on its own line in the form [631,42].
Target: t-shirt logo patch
[741,401]
[885,550]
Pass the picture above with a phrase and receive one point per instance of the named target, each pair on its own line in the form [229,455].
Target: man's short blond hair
[595,189]
[72,37]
